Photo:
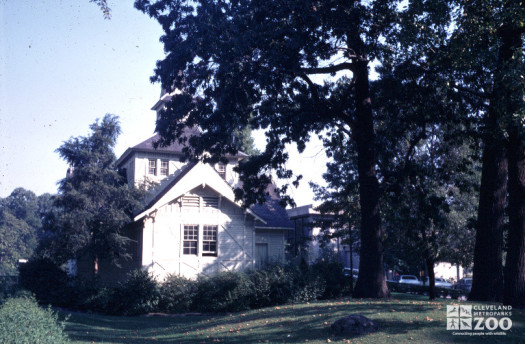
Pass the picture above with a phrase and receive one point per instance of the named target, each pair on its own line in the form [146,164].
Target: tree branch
[470,91]
[330,69]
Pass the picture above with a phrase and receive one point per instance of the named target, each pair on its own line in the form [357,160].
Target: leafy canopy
[94,200]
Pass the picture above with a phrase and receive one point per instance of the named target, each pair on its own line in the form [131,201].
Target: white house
[192,225]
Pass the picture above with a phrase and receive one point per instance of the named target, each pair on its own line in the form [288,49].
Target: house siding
[275,241]
[163,239]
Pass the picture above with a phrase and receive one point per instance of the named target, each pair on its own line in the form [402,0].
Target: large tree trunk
[429,261]
[514,289]
[514,286]
[487,283]
[371,281]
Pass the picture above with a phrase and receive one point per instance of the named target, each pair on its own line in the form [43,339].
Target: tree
[244,141]
[488,62]
[18,240]
[94,201]
[253,63]
[513,65]
[20,228]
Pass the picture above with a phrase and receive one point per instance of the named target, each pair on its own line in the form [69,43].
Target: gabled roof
[174,148]
[194,175]
[273,213]
[147,146]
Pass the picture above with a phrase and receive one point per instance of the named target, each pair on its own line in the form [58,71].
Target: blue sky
[62,66]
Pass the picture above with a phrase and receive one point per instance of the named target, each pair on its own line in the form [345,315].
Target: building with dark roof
[192,225]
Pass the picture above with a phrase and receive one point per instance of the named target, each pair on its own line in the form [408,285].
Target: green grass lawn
[403,319]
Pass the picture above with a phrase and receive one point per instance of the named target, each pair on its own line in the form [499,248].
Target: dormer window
[164,167]
[221,169]
[152,166]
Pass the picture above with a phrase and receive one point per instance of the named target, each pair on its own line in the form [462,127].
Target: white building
[192,224]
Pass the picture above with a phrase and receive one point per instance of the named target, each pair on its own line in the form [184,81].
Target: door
[261,255]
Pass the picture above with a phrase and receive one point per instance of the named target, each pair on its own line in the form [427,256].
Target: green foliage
[272,286]
[22,321]
[20,228]
[336,284]
[177,294]
[244,141]
[18,240]
[94,202]
[92,296]
[139,294]
[255,63]
[223,292]
[46,280]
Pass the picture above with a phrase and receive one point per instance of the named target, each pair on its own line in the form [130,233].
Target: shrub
[307,285]
[176,294]
[139,294]
[46,280]
[101,299]
[224,292]
[8,286]
[272,286]
[23,321]
[264,282]
[336,283]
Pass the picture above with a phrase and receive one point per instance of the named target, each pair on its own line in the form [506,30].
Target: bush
[336,283]
[224,292]
[272,286]
[8,286]
[101,299]
[176,294]
[139,294]
[292,283]
[308,286]
[47,281]
[23,321]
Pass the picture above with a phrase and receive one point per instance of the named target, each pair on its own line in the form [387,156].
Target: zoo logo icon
[459,317]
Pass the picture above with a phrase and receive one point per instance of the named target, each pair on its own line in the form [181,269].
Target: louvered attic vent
[190,201]
[210,202]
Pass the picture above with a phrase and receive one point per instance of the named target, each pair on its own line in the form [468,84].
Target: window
[191,239]
[152,166]
[221,169]
[164,167]
[209,240]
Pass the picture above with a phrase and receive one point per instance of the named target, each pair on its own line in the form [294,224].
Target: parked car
[347,272]
[409,279]
[440,282]
[464,284]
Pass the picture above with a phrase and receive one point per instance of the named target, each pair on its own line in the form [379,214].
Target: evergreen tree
[94,201]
